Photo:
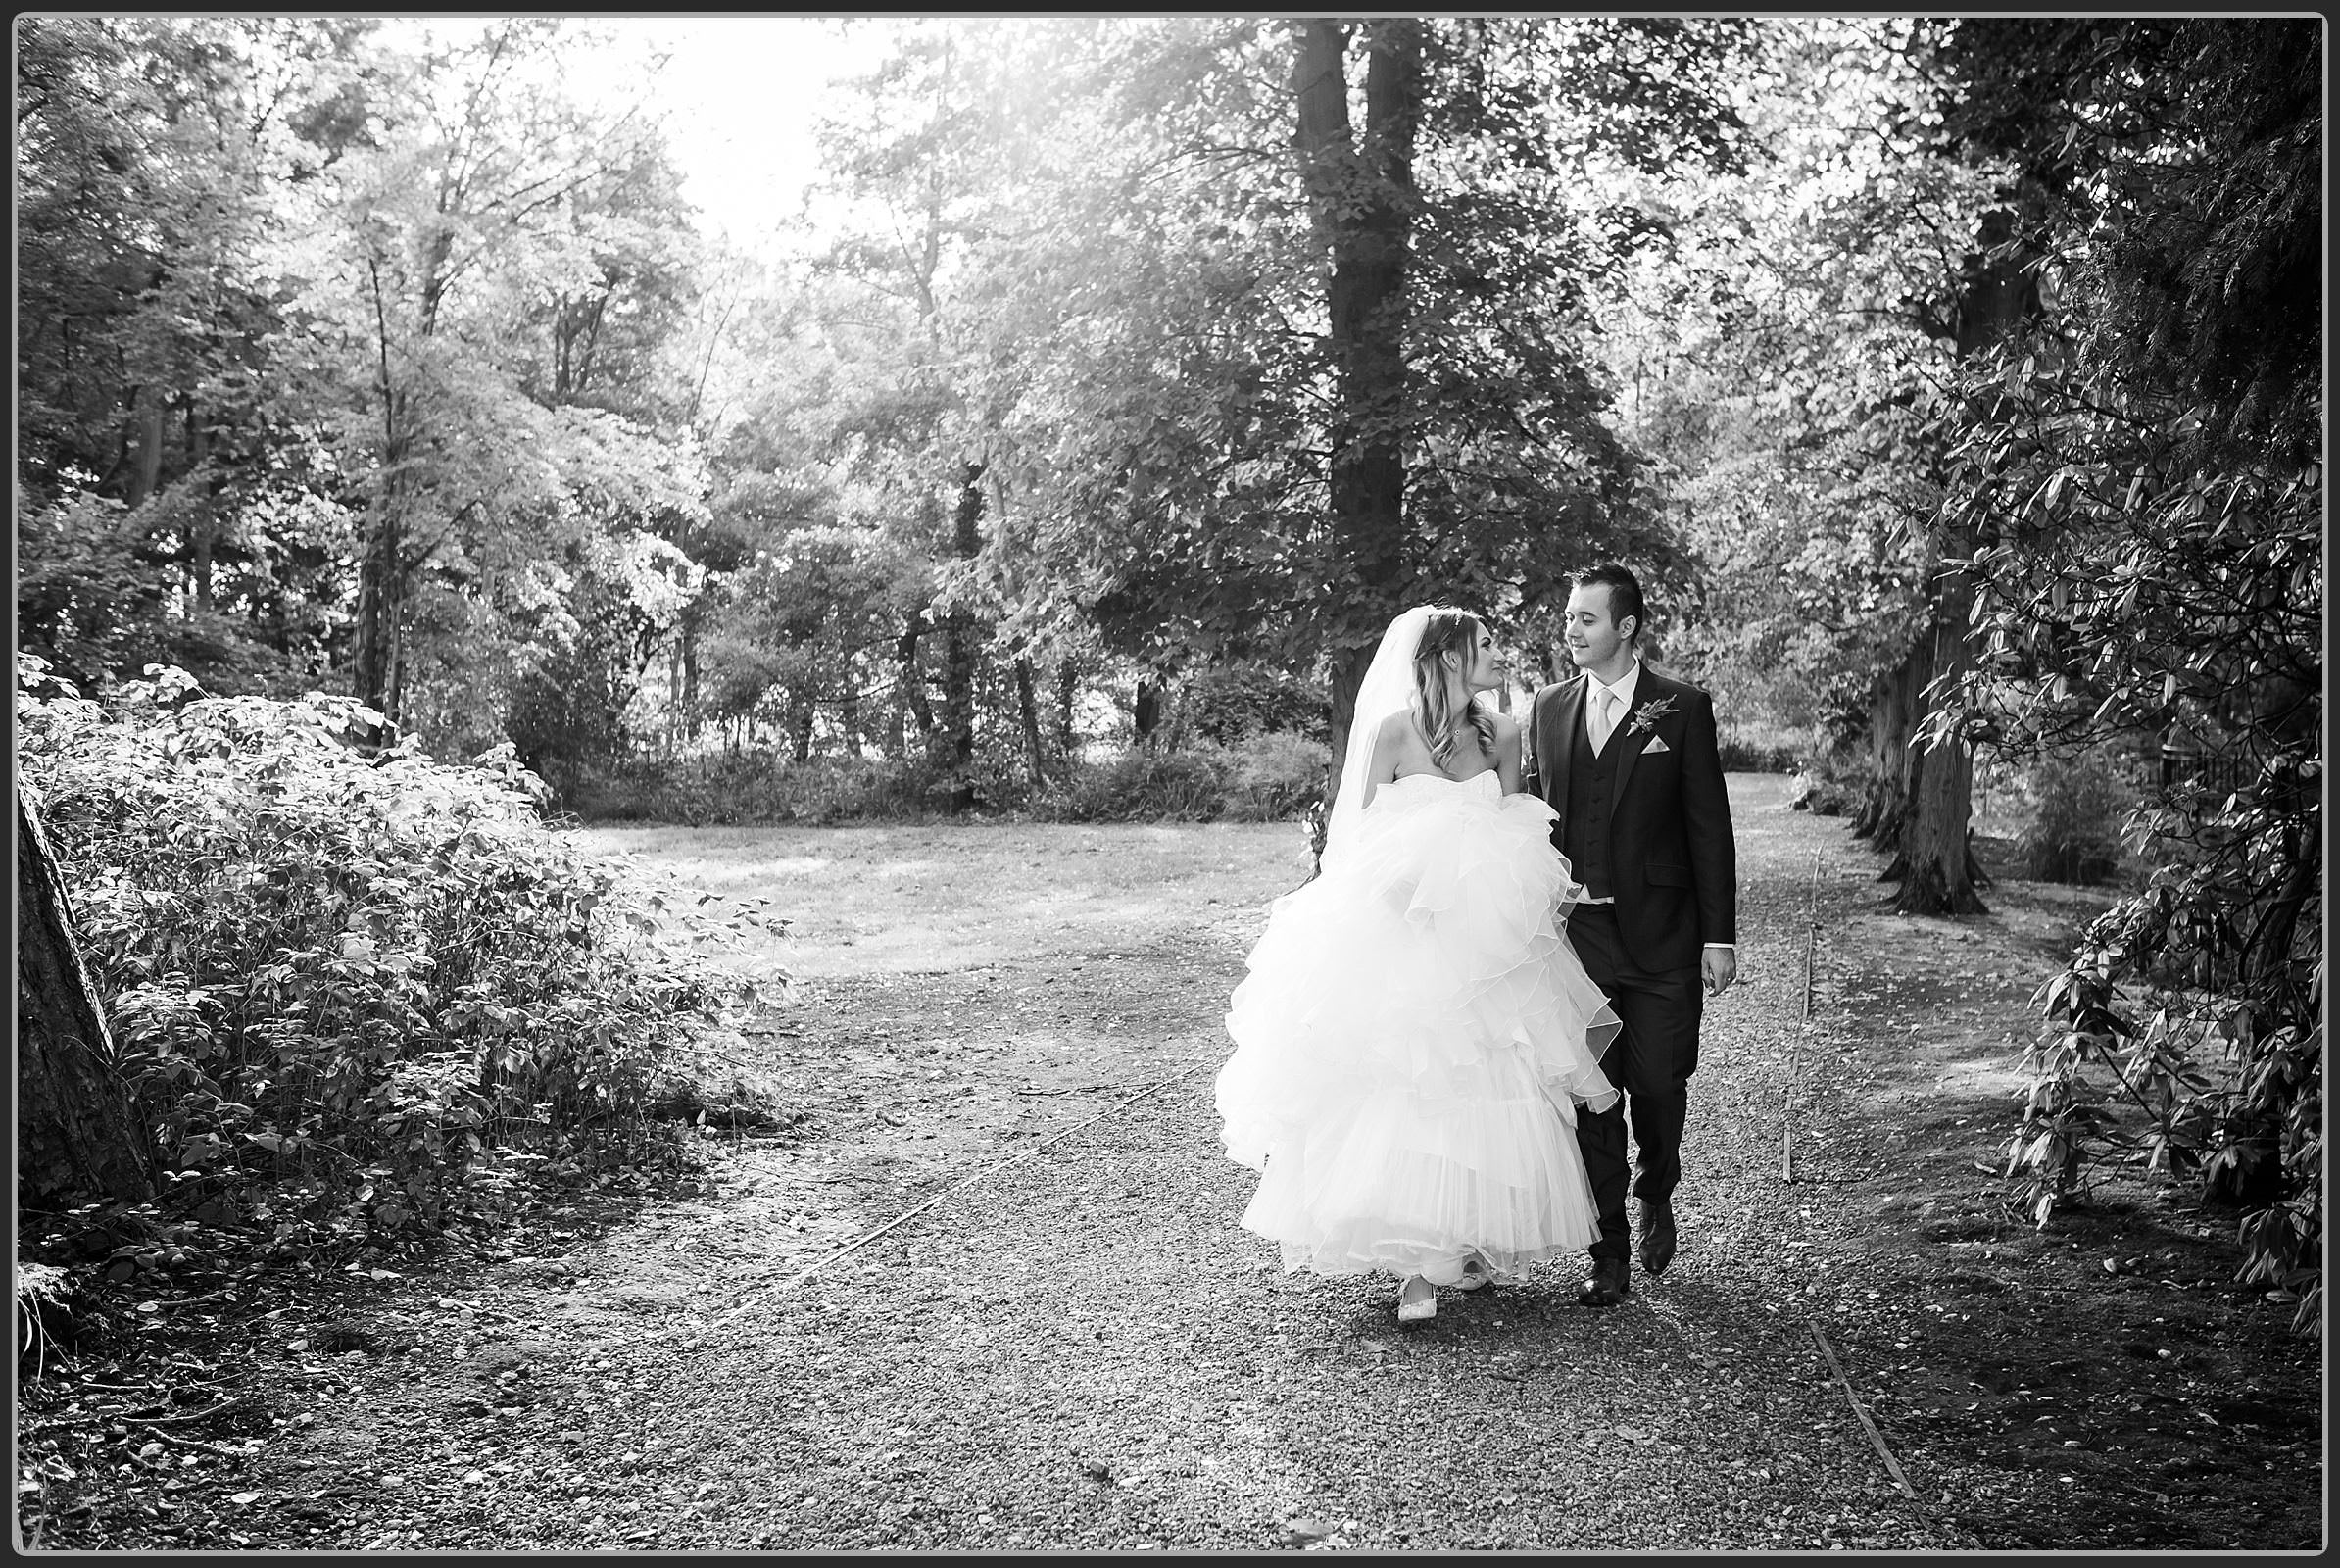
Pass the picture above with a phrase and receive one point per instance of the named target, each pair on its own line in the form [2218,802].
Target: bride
[1415,1032]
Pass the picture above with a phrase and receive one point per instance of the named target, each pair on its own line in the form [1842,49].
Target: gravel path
[1083,1350]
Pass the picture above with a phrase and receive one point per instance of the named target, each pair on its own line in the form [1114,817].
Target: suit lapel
[1644,691]
[1566,712]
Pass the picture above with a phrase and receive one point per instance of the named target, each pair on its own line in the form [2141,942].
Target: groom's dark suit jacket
[1673,866]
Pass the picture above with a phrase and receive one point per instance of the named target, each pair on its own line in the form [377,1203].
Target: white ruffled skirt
[1411,1044]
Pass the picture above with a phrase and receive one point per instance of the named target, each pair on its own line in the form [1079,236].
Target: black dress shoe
[1611,1283]
[1657,1236]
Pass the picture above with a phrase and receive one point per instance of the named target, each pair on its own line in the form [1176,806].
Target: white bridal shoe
[1416,1300]
[1476,1275]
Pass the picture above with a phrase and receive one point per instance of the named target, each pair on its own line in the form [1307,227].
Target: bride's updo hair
[1447,631]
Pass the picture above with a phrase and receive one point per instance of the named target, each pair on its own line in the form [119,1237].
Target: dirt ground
[2129,1395]
[969,995]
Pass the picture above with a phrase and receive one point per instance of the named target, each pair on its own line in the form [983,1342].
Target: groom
[1629,760]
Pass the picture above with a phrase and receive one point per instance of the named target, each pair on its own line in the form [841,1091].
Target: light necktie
[1604,719]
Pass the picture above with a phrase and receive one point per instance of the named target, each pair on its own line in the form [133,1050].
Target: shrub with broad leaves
[356,992]
[2141,471]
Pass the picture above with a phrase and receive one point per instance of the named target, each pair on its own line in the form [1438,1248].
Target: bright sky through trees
[740,95]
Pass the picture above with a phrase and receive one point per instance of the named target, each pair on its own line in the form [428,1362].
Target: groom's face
[1592,632]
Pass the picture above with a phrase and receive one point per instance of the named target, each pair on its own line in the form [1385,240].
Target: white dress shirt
[1624,693]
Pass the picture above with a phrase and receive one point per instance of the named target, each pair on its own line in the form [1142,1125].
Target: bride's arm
[1507,752]
[1387,743]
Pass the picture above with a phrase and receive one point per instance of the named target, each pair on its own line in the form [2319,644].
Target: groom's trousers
[1651,1061]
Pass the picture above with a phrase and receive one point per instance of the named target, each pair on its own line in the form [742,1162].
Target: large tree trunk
[959,647]
[1996,293]
[1361,203]
[1935,858]
[1896,700]
[77,1138]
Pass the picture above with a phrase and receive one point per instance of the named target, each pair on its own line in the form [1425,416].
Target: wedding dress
[1413,1037]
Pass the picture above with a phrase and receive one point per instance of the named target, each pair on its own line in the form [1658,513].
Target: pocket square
[1657,742]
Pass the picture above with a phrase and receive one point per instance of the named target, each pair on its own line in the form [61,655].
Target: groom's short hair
[1625,593]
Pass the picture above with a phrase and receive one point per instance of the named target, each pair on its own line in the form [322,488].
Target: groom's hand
[1721,967]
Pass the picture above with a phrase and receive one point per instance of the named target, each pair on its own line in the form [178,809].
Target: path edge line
[1854,1399]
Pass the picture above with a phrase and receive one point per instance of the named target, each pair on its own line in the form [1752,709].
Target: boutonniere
[1649,713]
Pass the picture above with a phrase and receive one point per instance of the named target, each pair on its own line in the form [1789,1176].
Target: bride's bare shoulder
[1507,728]
[1388,742]
[1395,728]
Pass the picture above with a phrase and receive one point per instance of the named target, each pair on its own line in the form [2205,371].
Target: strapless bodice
[1459,783]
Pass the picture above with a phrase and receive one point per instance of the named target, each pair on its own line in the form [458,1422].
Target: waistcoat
[1591,784]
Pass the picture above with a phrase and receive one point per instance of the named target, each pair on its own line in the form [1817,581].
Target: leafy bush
[763,786]
[91,603]
[1274,775]
[1264,776]
[2212,1062]
[1267,776]
[1746,754]
[1226,704]
[1824,792]
[2078,802]
[1146,786]
[355,998]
